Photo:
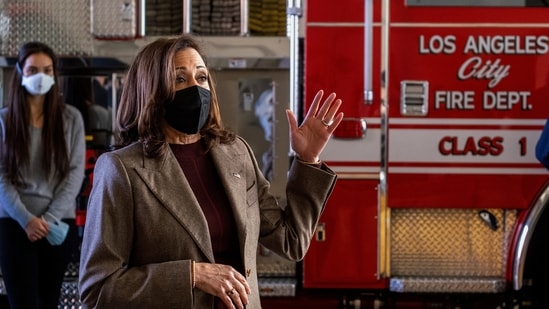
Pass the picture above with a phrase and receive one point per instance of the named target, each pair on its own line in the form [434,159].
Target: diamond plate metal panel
[70,298]
[443,285]
[449,243]
[62,24]
[114,18]
[277,286]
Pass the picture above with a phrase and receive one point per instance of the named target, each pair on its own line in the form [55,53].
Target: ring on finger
[326,123]
[231,292]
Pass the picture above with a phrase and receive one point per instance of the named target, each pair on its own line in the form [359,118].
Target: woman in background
[42,156]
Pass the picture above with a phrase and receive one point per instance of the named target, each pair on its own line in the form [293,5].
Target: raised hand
[309,139]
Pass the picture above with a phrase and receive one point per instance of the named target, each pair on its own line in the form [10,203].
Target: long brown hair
[148,85]
[17,138]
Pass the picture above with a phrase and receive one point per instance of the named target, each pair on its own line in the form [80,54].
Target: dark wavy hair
[148,85]
[17,139]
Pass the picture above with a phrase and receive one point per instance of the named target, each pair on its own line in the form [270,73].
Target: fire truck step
[445,285]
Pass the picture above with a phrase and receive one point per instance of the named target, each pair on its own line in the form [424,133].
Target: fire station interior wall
[242,95]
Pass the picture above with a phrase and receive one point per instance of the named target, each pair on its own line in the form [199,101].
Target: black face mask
[189,110]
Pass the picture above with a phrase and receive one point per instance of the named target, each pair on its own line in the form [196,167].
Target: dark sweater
[200,171]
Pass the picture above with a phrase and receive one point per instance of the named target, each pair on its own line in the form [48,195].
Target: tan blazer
[144,225]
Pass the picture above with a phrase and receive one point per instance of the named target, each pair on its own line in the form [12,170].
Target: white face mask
[38,84]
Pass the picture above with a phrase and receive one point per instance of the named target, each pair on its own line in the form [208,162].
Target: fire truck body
[442,191]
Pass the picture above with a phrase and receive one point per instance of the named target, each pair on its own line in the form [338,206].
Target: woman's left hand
[224,282]
[36,229]
[309,139]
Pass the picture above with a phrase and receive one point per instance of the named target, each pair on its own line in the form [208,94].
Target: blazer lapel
[230,166]
[168,183]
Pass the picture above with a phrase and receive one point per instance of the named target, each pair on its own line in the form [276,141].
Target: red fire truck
[439,190]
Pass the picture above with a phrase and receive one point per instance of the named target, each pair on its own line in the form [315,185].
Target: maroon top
[200,171]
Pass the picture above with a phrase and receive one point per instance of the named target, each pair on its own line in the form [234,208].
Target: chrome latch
[414,97]
[321,232]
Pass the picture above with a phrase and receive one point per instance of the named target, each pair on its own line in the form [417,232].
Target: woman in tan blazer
[177,211]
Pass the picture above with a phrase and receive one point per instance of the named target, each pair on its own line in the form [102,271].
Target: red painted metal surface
[344,255]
